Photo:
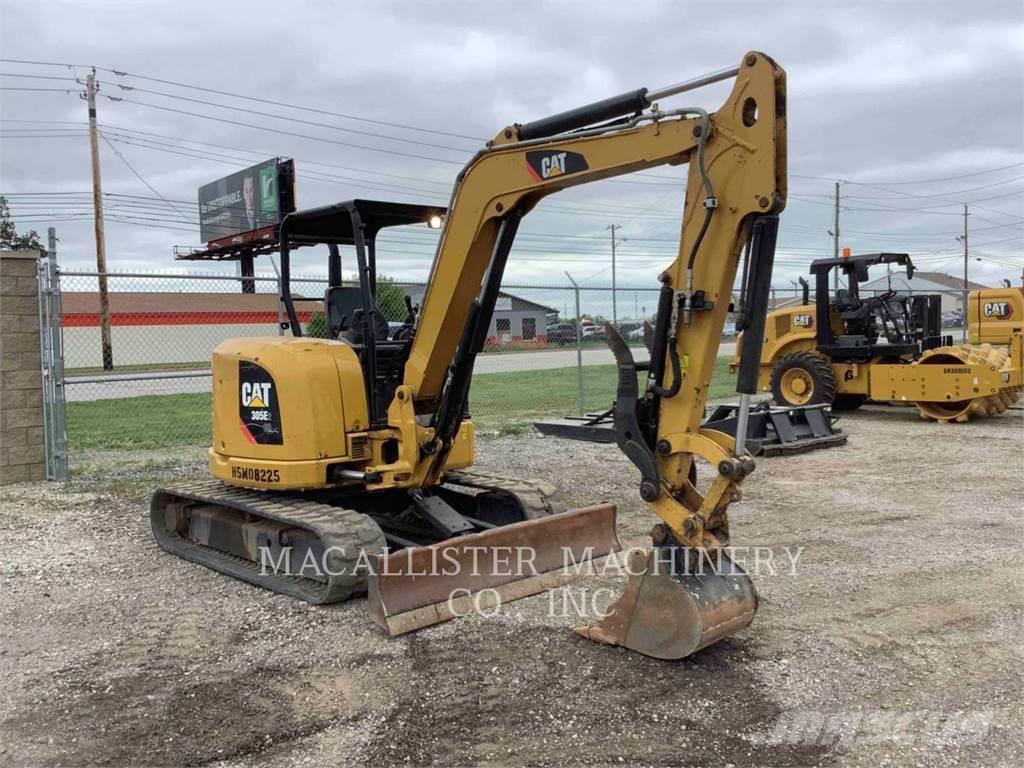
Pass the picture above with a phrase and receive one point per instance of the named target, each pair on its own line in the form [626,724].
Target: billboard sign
[246,201]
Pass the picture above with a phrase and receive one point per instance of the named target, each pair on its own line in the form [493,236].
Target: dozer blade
[421,586]
[670,610]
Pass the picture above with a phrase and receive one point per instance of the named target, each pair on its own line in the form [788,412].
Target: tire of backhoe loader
[803,378]
[848,402]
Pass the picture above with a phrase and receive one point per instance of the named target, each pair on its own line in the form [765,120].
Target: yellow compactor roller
[342,464]
[847,349]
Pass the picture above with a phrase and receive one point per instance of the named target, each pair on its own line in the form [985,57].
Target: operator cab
[351,312]
[889,324]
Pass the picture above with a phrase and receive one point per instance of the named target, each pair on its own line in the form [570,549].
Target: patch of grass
[505,403]
[508,402]
[150,421]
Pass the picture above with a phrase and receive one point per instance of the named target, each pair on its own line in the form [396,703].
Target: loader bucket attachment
[670,610]
[421,586]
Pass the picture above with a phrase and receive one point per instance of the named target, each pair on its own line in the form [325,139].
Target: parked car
[954,319]
[562,334]
[593,332]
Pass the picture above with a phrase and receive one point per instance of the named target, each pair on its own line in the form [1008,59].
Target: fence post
[579,347]
[280,303]
[52,360]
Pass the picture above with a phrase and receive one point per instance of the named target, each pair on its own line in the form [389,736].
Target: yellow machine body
[994,315]
[950,383]
[289,413]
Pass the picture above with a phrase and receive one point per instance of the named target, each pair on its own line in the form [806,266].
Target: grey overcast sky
[916,106]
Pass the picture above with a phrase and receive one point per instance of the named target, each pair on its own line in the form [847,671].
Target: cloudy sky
[916,107]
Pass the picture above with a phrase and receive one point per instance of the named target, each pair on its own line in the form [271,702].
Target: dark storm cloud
[879,91]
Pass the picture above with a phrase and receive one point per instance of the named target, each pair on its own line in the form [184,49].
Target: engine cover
[284,409]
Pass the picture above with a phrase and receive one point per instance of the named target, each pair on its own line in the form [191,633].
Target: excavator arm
[737,176]
[684,593]
[736,187]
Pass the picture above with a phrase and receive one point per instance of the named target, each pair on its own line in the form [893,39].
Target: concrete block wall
[22,445]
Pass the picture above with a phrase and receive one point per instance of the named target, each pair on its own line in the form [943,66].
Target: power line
[36,77]
[285,133]
[944,178]
[295,119]
[272,102]
[43,63]
[944,196]
[292,106]
[110,127]
[139,176]
[37,90]
[911,181]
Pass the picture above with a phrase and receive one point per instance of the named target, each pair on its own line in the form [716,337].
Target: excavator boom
[735,190]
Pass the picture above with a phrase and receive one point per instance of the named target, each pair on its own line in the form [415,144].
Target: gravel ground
[897,642]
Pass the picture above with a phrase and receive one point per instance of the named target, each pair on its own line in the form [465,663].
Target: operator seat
[343,305]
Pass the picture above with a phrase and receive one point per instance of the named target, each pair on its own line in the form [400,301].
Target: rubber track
[538,498]
[344,533]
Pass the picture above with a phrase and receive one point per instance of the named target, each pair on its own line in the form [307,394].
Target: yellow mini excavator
[341,464]
[847,349]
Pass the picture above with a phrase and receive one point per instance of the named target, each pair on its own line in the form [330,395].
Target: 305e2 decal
[259,416]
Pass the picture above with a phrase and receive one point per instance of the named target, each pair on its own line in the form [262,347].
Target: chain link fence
[545,353]
[152,388]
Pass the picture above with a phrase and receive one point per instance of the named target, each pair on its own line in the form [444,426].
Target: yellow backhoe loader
[846,349]
[341,465]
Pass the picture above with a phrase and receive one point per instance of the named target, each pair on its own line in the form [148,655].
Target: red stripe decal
[246,432]
[90,320]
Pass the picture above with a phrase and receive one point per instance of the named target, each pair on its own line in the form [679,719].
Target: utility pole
[835,242]
[97,204]
[579,347]
[965,272]
[615,309]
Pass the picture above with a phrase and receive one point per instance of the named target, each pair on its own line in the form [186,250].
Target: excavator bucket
[674,605]
[420,586]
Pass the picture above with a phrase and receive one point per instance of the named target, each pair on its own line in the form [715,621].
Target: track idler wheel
[981,406]
[676,602]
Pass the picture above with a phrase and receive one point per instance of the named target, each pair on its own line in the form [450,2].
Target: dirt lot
[897,642]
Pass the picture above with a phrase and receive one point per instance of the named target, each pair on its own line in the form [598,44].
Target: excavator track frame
[343,532]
